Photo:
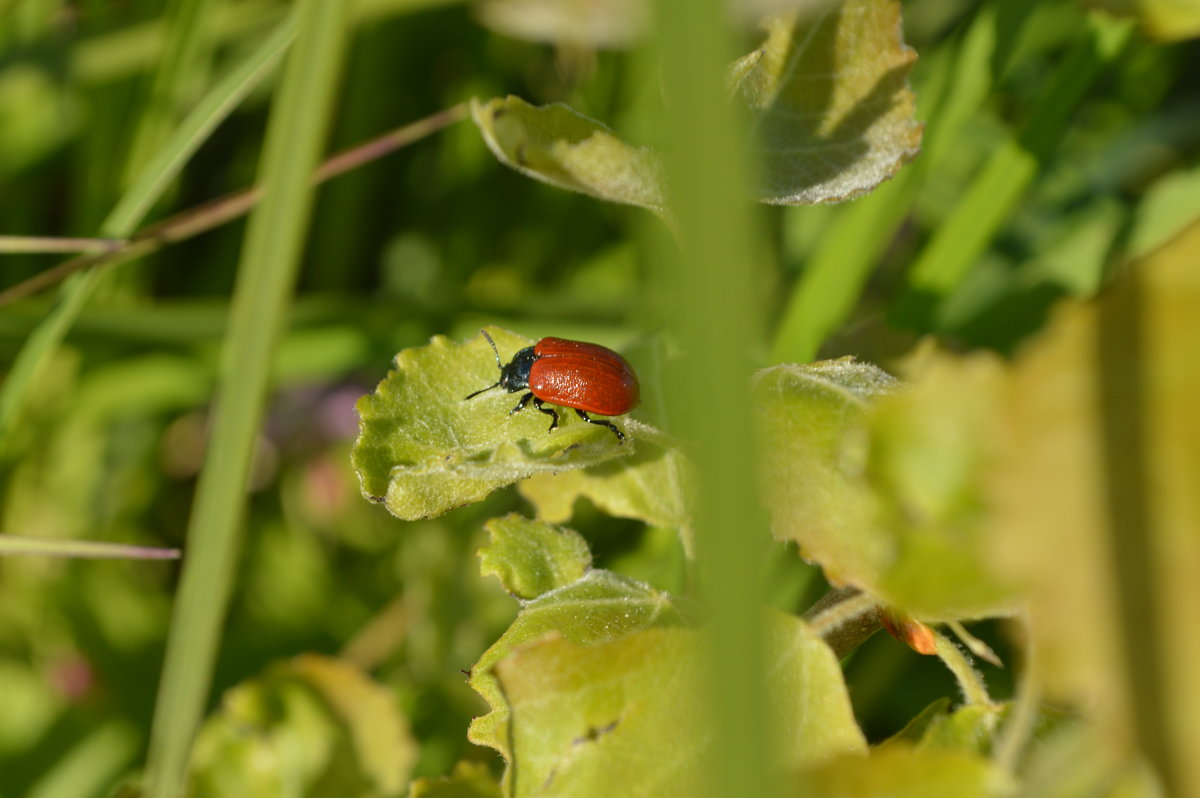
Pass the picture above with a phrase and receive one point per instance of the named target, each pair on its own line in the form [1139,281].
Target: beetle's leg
[548,411]
[603,423]
[521,404]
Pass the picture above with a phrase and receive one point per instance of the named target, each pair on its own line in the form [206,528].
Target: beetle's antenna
[497,351]
[494,349]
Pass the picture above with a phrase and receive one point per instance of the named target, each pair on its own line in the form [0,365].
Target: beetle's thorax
[515,375]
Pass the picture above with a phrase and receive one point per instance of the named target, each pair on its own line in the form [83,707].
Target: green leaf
[314,723]
[600,605]
[556,145]
[533,557]
[653,486]
[622,717]
[469,780]
[832,111]
[423,449]
[812,429]
[883,487]
[897,771]
[926,471]
[969,729]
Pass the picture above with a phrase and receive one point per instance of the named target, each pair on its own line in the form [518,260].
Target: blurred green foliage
[439,238]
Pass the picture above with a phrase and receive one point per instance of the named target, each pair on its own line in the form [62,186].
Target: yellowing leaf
[556,145]
[423,449]
[627,717]
[832,113]
[1097,508]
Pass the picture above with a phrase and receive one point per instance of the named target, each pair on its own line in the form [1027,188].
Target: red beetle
[586,377]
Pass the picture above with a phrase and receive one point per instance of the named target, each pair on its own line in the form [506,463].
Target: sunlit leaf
[652,486]
[832,113]
[533,557]
[599,606]
[556,145]
[315,723]
[622,717]
[423,449]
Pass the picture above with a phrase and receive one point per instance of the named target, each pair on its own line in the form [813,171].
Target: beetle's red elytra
[587,378]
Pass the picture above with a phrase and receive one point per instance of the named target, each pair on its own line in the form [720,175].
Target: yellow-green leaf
[832,113]
[1096,507]
[625,717]
[423,449]
[556,145]
[532,557]
[812,430]
[600,605]
[897,771]
[652,486]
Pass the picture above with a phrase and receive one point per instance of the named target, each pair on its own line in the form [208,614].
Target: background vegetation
[1060,144]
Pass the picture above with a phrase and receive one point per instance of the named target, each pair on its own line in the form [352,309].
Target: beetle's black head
[515,375]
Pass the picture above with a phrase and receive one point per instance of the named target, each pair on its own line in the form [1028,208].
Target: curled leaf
[556,145]
[832,113]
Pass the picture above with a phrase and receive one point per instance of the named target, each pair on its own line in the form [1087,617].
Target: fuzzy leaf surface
[532,557]
[599,606]
[621,717]
[832,113]
[422,449]
[559,146]
[653,486]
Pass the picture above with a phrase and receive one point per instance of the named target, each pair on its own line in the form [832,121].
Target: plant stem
[203,218]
